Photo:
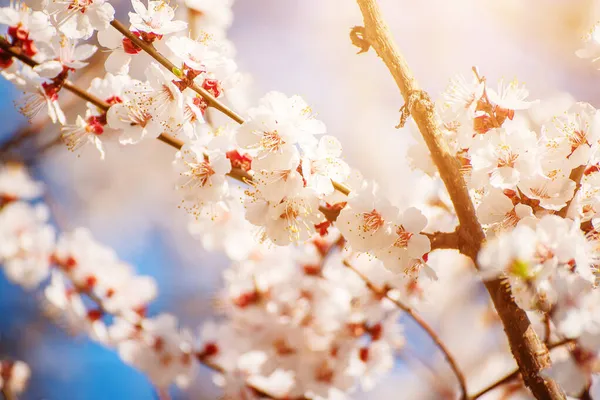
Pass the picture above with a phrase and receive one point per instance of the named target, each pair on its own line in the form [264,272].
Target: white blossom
[79,19]
[157,18]
[366,222]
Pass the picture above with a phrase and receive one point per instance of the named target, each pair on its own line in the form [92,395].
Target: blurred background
[296,47]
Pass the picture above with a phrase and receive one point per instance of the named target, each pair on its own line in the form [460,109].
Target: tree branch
[422,323]
[499,382]
[76,90]
[444,240]
[149,48]
[514,374]
[529,351]
[235,173]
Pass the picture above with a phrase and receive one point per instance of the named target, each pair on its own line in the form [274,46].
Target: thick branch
[530,353]
[422,323]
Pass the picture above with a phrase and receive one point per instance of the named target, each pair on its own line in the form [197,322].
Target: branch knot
[358,36]
[415,97]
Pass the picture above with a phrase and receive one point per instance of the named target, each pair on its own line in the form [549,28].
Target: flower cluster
[280,148]
[551,267]
[317,330]
[90,290]
[516,169]
[14,376]
[534,185]
[320,258]
[333,330]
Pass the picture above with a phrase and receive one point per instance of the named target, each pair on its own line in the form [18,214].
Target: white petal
[49,69]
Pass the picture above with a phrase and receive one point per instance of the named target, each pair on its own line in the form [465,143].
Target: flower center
[403,237]
[202,172]
[372,221]
[271,141]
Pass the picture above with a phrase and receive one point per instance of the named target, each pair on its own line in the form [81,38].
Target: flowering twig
[422,323]
[76,90]
[529,351]
[201,359]
[235,173]
[209,98]
[149,48]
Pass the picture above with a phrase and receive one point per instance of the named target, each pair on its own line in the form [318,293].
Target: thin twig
[149,48]
[528,350]
[514,374]
[207,96]
[8,394]
[235,173]
[76,90]
[547,328]
[421,322]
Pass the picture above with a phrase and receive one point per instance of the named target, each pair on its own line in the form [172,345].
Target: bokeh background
[297,47]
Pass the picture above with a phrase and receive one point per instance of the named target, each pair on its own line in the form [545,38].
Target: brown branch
[149,48]
[514,374]
[547,328]
[207,96]
[20,137]
[421,322]
[235,173]
[529,351]
[202,359]
[444,240]
[79,92]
